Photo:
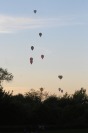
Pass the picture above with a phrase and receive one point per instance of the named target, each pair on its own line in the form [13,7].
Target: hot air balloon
[41,89]
[31,60]
[32,47]
[42,56]
[40,34]
[59,89]
[35,11]
[60,76]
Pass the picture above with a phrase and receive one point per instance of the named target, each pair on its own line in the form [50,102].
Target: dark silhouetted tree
[5,75]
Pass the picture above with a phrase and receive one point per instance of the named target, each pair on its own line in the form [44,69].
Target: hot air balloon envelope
[32,47]
[40,34]
[59,89]
[35,11]
[60,76]
[42,56]
[31,60]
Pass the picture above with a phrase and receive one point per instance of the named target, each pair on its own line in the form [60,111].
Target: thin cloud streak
[9,24]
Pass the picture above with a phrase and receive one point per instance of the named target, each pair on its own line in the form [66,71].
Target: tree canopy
[5,75]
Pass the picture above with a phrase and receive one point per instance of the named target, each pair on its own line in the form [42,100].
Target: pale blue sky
[64,25]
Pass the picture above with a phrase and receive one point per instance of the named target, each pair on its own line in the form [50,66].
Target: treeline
[36,108]
[39,108]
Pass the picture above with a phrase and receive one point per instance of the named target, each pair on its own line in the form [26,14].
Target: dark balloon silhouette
[32,47]
[60,76]
[31,60]
[35,11]
[59,89]
[40,34]
[42,56]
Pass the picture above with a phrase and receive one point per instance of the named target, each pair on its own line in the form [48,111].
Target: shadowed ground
[59,131]
[69,131]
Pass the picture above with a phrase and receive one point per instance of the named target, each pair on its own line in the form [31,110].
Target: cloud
[10,24]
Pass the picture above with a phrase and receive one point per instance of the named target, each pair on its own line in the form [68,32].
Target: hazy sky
[64,25]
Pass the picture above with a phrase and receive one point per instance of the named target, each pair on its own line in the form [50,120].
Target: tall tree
[5,75]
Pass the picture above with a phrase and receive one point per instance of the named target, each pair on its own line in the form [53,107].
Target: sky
[64,43]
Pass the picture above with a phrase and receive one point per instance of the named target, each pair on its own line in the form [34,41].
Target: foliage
[5,75]
[40,108]
[67,111]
